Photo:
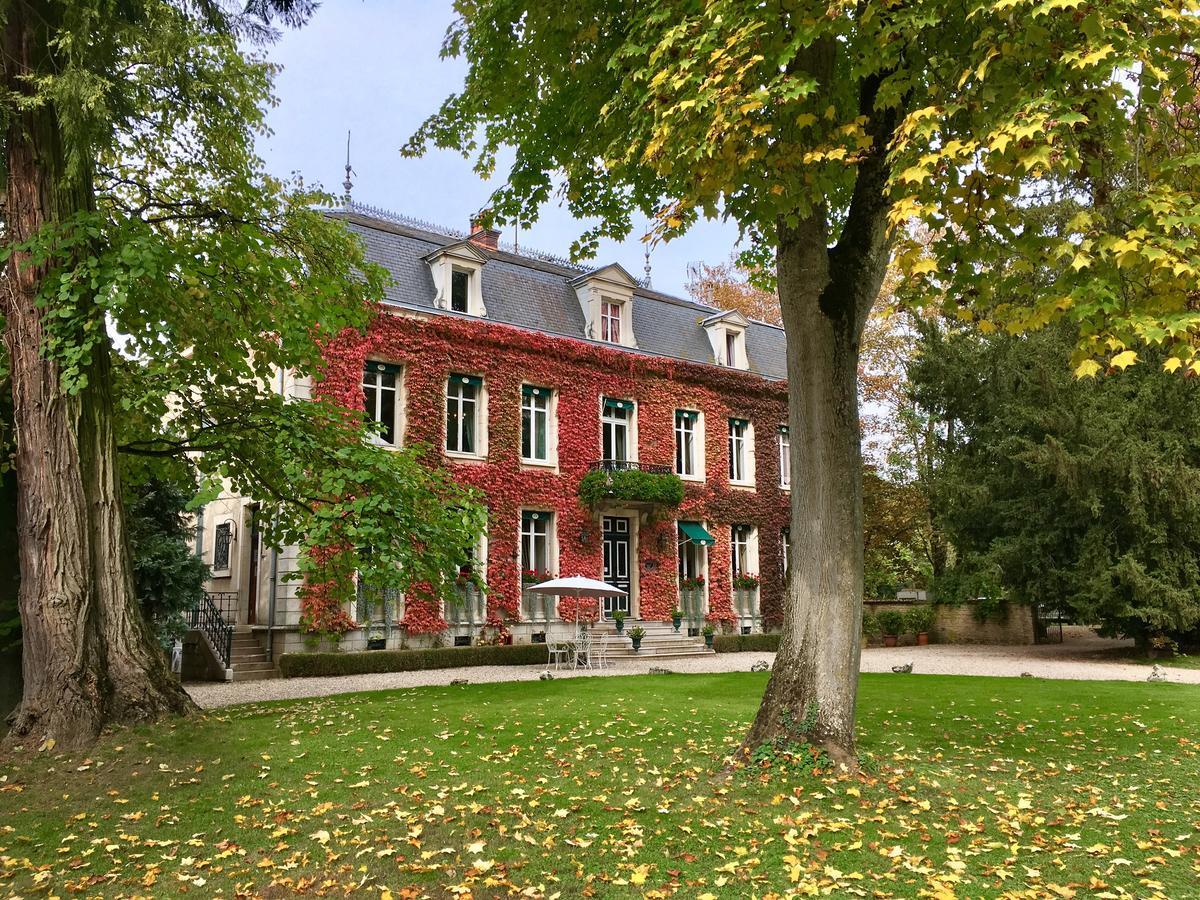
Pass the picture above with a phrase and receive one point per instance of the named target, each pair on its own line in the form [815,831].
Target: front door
[252,579]
[616,562]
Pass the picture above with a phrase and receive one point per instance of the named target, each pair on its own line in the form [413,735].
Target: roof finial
[647,269]
[347,184]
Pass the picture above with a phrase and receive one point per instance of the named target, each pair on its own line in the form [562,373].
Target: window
[460,284]
[535,543]
[739,471]
[691,559]
[685,442]
[462,413]
[614,427]
[739,542]
[535,423]
[610,322]
[380,396]
[221,543]
[785,544]
[731,349]
[785,457]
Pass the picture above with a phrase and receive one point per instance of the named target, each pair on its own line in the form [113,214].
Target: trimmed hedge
[304,665]
[740,643]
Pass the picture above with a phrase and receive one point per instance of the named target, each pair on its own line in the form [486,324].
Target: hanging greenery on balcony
[632,486]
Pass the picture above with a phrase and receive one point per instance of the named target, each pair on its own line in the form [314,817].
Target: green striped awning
[694,532]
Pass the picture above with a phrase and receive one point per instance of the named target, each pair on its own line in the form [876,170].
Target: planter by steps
[635,636]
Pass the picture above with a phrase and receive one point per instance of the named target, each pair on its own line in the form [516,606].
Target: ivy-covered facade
[612,431]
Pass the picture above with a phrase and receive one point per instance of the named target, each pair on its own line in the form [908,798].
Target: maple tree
[823,129]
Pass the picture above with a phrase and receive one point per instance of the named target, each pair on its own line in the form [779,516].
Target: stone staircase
[248,658]
[660,642]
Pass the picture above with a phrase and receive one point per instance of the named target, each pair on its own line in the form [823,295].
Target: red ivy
[429,348]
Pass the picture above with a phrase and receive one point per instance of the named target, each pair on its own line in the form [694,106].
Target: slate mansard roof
[530,292]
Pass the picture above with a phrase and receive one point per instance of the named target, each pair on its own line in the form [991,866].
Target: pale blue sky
[372,66]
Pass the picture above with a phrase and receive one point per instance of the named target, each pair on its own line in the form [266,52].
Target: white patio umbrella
[578,587]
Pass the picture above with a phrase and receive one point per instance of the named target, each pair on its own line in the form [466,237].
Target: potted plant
[676,618]
[920,620]
[636,633]
[377,638]
[870,628]
[891,623]
[708,630]
[618,617]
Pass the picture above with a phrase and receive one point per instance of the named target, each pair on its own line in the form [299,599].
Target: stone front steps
[249,659]
[660,641]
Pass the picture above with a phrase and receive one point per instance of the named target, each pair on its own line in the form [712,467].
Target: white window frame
[397,399]
[629,422]
[743,554]
[785,544]
[479,408]
[785,458]
[741,464]
[687,465]
[532,535]
[470,275]
[530,392]
[612,314]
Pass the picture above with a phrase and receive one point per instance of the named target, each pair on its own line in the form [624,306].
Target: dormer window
[727,334]
[606,299]
[457,271]
[610,321]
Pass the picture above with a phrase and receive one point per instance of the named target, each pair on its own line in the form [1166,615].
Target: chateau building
[564,395]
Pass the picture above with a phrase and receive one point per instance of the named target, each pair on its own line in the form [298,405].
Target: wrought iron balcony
[627,465]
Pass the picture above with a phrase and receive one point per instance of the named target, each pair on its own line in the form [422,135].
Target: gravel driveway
[1082,655]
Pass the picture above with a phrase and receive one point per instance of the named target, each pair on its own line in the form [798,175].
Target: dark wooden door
[616,561]
[252,585]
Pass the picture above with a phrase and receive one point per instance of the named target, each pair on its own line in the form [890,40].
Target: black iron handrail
[207,619]
[626,465]
[226,603]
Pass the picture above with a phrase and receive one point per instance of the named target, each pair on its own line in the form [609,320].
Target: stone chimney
[488,238]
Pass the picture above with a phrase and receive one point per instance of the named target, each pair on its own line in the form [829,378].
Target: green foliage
[891,621]
[636,633]
[920,618]
[870,624]
[1083,495]
[168,576]
[632,485]
[618,615]
[743,643]
[306,665]
[966,120]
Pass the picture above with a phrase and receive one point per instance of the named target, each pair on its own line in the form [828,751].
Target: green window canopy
[530,390]
[783,429]
[472,380]
[695,533]
[687,415]
[374,365]
[610,403]
[740,423]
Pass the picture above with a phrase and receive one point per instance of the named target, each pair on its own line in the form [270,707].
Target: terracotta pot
[889,640]
[922,638]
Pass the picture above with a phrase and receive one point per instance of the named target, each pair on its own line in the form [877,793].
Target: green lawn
[605,787]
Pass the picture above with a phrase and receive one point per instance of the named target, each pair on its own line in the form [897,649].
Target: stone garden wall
[956,624]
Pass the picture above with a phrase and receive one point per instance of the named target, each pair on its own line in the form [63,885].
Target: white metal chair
[583,648]
[560,653]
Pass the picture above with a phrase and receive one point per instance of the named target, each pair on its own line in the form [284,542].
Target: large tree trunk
[813,688]
[88,656]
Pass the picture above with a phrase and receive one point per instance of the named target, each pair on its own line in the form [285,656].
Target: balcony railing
[626,465]
[469,609]
[537,607]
